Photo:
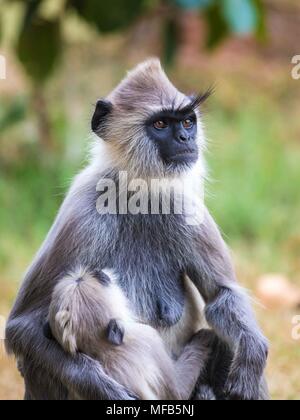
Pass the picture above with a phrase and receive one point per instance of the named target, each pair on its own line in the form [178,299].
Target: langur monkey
[150,130]
[89,313]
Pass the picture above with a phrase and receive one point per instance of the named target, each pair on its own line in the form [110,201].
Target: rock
[276,291]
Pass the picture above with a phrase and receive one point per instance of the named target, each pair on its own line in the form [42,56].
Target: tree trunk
[43,121]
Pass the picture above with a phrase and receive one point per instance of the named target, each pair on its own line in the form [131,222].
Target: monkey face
[149,128]
[175,136]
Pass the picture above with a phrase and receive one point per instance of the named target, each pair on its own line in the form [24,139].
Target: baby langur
[90,314]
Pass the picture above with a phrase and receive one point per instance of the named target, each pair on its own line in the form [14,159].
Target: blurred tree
[39,43]
[117,16]
[39,48]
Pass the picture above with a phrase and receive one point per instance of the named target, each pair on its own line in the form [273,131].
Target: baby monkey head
[148,126]
[87,308]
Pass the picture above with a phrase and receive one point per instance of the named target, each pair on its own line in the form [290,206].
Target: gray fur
[151,253]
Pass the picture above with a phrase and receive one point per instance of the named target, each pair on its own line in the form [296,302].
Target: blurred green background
[61,55]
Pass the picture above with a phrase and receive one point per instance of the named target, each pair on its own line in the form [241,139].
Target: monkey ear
[115,332]
[103,109]
[101,277]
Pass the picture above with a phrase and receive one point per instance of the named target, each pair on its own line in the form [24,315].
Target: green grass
[255,178]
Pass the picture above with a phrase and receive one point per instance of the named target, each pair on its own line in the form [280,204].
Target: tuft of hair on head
[145,86]
[201,98]
[151,65]
[196,101]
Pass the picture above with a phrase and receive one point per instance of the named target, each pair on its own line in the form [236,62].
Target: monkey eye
[160,125]
[188,123]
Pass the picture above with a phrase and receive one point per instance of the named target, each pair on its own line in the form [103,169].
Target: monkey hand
[205,338]
[246,374]
[94,384]
[86,382]
[86,378]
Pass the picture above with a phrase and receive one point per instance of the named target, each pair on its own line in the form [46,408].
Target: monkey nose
[183,138]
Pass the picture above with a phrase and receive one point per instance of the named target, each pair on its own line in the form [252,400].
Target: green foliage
[13,114]
[30,196]
[217,27]
[170,42]
[255,177]
[40,41]
[108,17]
[237,16]
[39,48]
[261,27]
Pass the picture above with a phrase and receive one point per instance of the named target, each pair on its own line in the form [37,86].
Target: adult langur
[150,130]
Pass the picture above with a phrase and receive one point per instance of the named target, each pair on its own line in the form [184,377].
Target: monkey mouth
[185,156]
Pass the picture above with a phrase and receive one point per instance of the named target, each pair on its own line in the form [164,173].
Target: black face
[175,135]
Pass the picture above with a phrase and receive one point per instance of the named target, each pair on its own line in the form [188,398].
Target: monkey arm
[231,317]
[80,374]
[228,312]
[72,241]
